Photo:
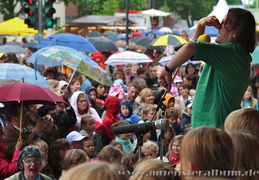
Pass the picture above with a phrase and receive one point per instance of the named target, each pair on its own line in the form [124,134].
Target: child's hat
[74,136]
[189,103]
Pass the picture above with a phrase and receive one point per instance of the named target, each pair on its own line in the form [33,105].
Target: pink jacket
[7,168]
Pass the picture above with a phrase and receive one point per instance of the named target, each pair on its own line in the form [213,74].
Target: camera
[45,118]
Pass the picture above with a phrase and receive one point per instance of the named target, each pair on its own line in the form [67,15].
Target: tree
[7,8]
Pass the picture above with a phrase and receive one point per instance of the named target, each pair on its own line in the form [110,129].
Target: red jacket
[7,168]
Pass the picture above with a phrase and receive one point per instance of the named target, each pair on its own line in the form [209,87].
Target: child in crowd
[187,115]
[88,148]
[76,139]
[116,144]
[172,116]
[243,120]
[54,85]
[57,153]
[168,102]
[75,84]
[248,100]
[173,154]
[150,149]
[124,139]
[126,113]
[73,158]
[111,154]
[87,125]
[168,136]
[130,160]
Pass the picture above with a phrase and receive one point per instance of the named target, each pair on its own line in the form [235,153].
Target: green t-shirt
[222,84]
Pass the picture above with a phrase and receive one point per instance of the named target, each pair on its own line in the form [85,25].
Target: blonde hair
[73,156]
[246,153]
[144,94]
[110,154]
[85,118]
[243,120]
[95,171]
[147,108]
[144,169]
[251,99]
[43,146]
[150,146]
[53,82]
[170,147]
[207,148]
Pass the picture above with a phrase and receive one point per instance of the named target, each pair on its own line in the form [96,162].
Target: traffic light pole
[40,17]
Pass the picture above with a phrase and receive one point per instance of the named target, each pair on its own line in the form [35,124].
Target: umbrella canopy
[16,26]
[12,49]
[60,55]
[110,33]
[165,59]
[74,41]
[165,30]
[168,40]
[7,81]
[154,12]
[255,56]
[15,43]
[113,38]
[123,36]
[30,93]
[94,34]
[127,57]
[136,34]
[18,71]
[103,44]
[142,40]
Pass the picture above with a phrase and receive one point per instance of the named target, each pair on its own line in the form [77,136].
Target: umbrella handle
[21,114]
[71,78]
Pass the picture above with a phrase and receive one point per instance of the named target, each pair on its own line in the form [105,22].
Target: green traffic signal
[48,10]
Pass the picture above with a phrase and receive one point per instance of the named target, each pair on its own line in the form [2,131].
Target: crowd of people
[76,139]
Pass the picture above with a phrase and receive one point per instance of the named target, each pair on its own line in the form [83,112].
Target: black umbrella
[142,40]
[103,44]
[94,34]
[113,38]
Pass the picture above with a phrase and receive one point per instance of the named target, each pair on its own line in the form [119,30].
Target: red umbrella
[136,34]
[28,93]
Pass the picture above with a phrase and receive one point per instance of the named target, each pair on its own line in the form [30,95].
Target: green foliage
[60,29]
[7,8]
[109,7]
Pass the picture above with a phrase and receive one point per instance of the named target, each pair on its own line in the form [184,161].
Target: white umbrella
[127,57]
[165,30]
[154,12]
[12,49]
[166,59]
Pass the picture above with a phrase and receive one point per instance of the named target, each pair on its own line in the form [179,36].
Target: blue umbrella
[17,72]
[60,55]
[69,40]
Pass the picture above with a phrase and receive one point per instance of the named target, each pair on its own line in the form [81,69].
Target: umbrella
[127,57]
[69,40]
[255,56]
[7,81]
[60,55]
[142,40]
[110,33]
[165,30]
[103,44]
[154,12]
[18,71]
[113,38]
[94,34]
[12,49]
[168,40]
[123,36]
[15,43]
[30,93]
[30,44]
[27,93]
[136,34]
[165,59]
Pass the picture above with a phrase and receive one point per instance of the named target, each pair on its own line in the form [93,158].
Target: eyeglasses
[30,161]
[83,101]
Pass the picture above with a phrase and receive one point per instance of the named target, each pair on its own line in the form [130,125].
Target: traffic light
[32,14]
[48,11]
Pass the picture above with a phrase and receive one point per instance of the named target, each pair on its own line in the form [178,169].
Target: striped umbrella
[168,39]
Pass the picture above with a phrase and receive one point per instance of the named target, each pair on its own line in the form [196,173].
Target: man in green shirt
[225,76]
